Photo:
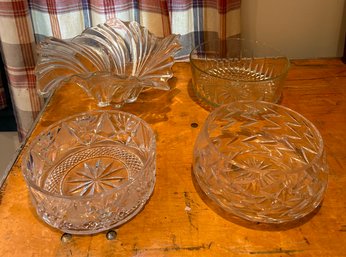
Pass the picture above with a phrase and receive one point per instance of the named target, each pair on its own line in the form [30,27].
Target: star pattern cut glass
[91,172]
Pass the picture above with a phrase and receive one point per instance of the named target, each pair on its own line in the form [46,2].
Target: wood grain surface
[179,220]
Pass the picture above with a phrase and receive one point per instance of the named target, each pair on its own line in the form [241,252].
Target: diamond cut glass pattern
[261,161]
[92,171]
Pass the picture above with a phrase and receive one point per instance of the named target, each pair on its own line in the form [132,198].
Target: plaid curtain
[24,23]
[18,53]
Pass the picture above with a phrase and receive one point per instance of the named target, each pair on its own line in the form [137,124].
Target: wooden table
[179,220]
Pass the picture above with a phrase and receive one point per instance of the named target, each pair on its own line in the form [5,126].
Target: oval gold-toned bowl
[224,71]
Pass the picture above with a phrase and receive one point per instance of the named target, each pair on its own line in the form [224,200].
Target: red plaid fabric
[25,23]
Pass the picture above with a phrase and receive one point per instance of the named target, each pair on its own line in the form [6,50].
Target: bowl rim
[320,142]
[128,183]
[280,55]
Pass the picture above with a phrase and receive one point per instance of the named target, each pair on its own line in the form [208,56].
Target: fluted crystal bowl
[112,62]
[91,172]
[261,161]
[224,71]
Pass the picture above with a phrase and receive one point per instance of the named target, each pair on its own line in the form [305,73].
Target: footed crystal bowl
[112,62]
[91,172]
[224,71]
[261,161]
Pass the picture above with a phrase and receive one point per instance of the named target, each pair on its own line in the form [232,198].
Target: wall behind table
[299,28]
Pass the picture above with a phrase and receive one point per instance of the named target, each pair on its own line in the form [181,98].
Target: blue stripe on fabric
[136,11]
[86,14]
[198,22]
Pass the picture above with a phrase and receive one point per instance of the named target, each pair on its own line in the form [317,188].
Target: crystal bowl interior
[225,71]
[261,161]
[91,172]
[112,61]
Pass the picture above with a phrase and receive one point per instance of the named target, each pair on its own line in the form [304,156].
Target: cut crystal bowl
[225,71]
[261,161]
[91,172]
[112,62]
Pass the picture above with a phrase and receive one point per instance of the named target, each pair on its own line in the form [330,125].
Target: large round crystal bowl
[225,71]
[261,161]
[91,172]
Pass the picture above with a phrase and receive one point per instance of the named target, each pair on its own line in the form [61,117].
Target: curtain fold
[25,23]
[18,53]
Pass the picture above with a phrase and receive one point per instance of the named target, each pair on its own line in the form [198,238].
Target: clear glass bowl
[225,71]
[261,161]
[112,62]
[92,171]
